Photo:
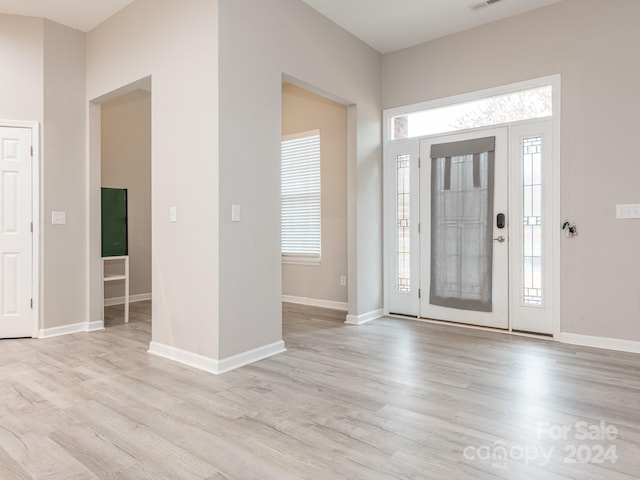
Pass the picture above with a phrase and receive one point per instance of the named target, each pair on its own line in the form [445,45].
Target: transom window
[506,108]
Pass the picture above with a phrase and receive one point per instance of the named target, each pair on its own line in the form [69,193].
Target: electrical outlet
[58,218]
[343,280]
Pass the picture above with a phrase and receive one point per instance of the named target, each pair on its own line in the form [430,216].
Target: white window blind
[301,196]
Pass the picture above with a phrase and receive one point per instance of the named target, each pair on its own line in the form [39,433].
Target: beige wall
[593,45]
[303,111]
[43,80]
[126,163]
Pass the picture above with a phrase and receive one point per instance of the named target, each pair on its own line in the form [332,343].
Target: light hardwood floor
[392,399]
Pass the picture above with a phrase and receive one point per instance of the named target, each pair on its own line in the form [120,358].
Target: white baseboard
[250,356]
[71,329]
[211,365]
[95,326]
[365,317]
[141,297]
[313,302]
[620,345]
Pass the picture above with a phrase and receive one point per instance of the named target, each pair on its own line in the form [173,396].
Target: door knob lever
[500,239]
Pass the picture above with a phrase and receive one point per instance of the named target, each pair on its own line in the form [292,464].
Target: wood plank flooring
[392,399]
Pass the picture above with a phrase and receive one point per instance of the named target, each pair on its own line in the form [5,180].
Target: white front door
[464,260]
[16,314]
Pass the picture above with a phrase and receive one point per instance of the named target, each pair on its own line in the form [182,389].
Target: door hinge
[418,227]
[31,303]
[419,293]
[31,150]
[31,227]
[419,161]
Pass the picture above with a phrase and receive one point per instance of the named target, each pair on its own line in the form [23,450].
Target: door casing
[408,304]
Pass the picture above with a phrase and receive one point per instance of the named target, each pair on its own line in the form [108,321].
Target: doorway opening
[314,222]
[120,183]
[126,165]
[470,209]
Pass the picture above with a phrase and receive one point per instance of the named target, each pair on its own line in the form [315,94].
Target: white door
[16,314]
[464,259]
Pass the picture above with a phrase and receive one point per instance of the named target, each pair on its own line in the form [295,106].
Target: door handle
[500,239]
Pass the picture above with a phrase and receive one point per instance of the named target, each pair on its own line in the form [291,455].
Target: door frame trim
[35,216]
[555,81]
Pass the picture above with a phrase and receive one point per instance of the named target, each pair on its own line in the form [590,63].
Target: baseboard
[141,297]
[211,365]
[71,329]
[95,326]
[251,356]
[313,302]
[365,317]
[617,344]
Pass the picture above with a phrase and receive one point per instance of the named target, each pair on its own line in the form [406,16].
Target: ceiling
[389,25]
[386,25]
[79,14]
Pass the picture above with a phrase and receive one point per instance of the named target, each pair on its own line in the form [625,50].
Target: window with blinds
[301,220]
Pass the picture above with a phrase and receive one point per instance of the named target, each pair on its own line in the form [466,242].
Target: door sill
[402,315]
[517,333]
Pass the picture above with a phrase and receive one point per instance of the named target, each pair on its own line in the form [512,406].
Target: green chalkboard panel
[114,222]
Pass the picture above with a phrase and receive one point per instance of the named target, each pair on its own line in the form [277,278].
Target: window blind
[301,220]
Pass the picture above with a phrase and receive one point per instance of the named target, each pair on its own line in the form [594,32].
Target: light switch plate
[627,211]
[235,213]
[58,218]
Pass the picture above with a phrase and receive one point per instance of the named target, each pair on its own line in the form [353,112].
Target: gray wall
[63,176]
[176,44]
[303,111]
[44,81]
[21,85]
[259,41]
[593,44]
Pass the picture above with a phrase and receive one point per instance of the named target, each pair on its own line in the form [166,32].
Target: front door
[16,315]
[464,261]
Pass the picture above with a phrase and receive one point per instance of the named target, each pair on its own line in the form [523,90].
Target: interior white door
[16,314]
[464,260]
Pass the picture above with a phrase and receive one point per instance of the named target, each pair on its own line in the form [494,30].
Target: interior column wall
[176,44]
[259,41]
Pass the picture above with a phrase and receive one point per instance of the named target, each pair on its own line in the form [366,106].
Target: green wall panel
[114,222]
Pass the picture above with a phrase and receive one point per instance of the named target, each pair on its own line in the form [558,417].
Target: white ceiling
[389,25]
[386,25]
[79,14]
